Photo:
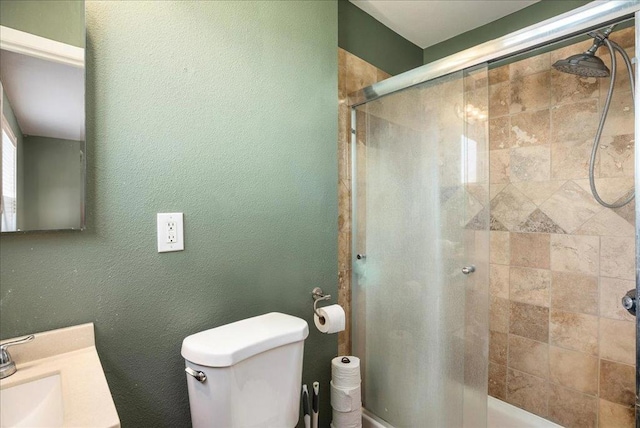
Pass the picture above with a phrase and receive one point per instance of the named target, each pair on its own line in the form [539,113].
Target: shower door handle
[468,269]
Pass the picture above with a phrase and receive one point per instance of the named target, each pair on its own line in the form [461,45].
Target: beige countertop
[71,353]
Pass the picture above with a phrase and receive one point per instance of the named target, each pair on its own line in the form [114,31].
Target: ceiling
[428,22]
[47,98]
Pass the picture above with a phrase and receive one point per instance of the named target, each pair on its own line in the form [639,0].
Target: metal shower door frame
[572,23]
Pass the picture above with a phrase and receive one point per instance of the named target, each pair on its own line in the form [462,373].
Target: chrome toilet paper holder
[318,296]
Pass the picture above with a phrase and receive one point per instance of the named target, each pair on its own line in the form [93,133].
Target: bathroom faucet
[7,365]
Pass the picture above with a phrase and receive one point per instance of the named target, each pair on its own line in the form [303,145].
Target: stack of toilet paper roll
[346,397]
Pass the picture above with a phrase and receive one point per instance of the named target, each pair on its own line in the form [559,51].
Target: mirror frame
[29,44]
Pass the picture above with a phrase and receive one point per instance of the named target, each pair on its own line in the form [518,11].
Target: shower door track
[575,22]
[578,21]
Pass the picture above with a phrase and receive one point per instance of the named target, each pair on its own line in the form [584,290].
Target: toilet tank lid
[231,343]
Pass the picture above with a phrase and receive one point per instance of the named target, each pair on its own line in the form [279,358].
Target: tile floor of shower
[561,347]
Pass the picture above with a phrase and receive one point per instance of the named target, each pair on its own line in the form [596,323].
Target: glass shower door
[421,215]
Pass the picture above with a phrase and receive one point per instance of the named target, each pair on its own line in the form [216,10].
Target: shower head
[584,64]
[587,64]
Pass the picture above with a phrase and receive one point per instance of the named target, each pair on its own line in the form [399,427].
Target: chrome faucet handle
[7,365]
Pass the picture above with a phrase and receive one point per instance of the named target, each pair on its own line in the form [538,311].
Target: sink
[37,403]
[59,382]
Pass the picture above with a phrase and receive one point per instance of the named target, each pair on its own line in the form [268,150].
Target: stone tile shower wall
[353,74]
[560,344]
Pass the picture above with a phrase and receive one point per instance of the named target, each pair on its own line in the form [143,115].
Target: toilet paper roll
[347,419]
[345,371]
[346,399]
[332,319]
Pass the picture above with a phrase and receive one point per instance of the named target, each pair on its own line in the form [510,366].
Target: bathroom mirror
[42,78]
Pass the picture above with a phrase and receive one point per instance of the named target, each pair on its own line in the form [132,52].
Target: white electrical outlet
[170,232]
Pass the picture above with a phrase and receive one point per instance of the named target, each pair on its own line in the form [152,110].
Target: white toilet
[246,374]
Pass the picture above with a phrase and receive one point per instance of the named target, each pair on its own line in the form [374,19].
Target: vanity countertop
[71,353]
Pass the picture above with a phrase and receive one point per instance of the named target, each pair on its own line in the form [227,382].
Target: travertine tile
[570,207]
[528,285]
[627,211]
[511,207]
[529,321]
[499,133]
[570,159]
[496,188]
[529,356]
[342,75]
[382,75]
[625,37]
[359,74]
[611,291]
[574,253]
[499,281]
[530,163]
[567,88]
[499,74]
[617,383]
[480,191]
[611,415]
[499,97]
[572,409]
[622,76]
[606,222]
[498,381]
[539,191]
[344,204]
[574,292]
[617,257]
[530,250]
[499,247]
[344,150]
[499,166]
[530,92]
[533,64]
[495,225]
[616,156]
[344,250]
[539,222]
[610,189]
[620,119]
[498,347]
[499,315]
[574,331]
[529,128]
[618,340]
[527,392]
[573,370]
[576,121]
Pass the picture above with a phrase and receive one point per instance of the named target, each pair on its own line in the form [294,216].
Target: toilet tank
[253,372]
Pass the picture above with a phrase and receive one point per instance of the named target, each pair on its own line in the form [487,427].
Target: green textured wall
[61,20]
[53,188]
[365,37]
[530,15]
[227,112]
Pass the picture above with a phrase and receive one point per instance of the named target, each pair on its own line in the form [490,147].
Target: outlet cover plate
[170,232]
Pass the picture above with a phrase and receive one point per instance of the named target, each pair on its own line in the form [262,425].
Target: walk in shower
[481,262]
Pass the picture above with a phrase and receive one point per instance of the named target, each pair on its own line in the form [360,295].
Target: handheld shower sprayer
[587,64]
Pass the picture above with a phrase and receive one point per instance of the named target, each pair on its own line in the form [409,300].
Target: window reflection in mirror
[42,78]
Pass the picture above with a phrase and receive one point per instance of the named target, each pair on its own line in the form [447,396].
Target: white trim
[39,47]
[7,128]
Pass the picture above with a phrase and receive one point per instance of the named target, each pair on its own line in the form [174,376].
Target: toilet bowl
[247,373]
